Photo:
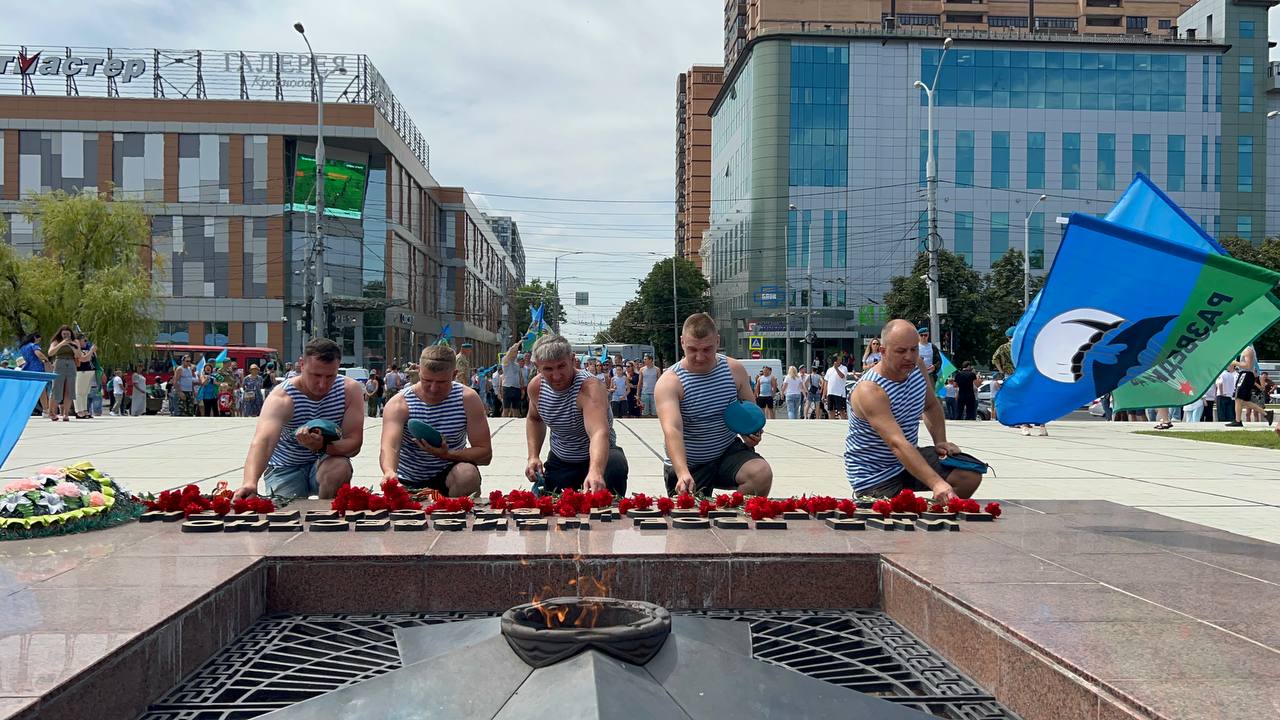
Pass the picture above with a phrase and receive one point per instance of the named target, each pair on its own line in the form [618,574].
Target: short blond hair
[699,326]
[438,358]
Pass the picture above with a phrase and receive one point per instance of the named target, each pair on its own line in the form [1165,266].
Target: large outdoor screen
[344,185]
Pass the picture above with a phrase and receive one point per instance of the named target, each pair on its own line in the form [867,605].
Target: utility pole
[318,317]
[786,278]
[1026,254]
[931,179]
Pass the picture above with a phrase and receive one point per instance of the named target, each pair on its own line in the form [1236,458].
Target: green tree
[961,285]
[537,293]
[95,270]
[1267,255]
[648,318]
[1002,302]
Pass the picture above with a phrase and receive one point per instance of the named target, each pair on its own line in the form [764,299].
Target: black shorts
[720,473]
[835,403]
[510,398]
[765,401]
[904,480]
[435,482]
[561,474]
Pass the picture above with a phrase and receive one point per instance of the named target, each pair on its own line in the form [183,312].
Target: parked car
[355,373]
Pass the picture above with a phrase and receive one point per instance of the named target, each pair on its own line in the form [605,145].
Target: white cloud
[563,98]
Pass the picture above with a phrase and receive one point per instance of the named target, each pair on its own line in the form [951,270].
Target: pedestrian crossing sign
[755,342]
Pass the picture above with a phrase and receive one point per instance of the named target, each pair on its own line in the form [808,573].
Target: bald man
[885,407]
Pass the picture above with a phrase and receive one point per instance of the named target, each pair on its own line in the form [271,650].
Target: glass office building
[819,154]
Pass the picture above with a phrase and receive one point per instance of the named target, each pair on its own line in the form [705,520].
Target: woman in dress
[252,402]
[138,401]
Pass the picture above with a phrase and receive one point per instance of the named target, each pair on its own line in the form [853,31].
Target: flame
[588,611]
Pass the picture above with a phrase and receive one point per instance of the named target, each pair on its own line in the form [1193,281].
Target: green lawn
[1253,438]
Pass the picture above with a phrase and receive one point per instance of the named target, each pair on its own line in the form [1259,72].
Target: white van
[754,367]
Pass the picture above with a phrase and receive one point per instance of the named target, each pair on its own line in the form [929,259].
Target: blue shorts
[295,481]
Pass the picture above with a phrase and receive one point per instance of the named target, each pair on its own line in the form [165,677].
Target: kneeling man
[574,405]
[294,462]
[455,411]
[704,453]
[885,407]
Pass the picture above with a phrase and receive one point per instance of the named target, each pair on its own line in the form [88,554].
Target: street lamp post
[555,274]
[1026,253]
[317,306]
[931,179]
[786,278]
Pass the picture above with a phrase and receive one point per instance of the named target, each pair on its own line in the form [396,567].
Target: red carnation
[642,501]
[497,500]
[685,501]
[546,505]
[883,507]
[993,509]
[567,510]
[191,509]
[377,502]
[601,499]
[736,500]
[846,506]
[666,505]
[704,507]
[722,500]
[221,505]
[624,505]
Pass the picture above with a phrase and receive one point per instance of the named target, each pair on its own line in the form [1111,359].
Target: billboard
[344,187]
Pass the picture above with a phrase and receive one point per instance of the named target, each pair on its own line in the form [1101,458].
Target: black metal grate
[285,659]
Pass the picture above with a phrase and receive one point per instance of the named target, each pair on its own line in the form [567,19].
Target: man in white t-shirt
[1224,404]
[117,393]
[834,385]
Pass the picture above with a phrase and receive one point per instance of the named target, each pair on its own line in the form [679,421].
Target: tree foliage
[648,319]
[95,270]
[533,294]
[1267,255]
[979,307]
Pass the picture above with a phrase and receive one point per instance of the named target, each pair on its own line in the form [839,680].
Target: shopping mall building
[818,151]
[220,147]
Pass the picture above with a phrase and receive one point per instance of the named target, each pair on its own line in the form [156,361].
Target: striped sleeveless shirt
[449,417]
[868,461]
[706,395]
[331,407]
[559,410]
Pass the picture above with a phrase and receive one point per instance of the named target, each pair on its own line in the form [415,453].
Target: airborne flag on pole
[1117,303]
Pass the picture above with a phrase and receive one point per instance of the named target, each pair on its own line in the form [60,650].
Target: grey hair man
[572,403]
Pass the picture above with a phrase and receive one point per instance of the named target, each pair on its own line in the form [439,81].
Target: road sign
[756,354]
[755,343]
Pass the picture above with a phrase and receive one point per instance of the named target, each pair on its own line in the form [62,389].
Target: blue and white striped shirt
[559,410]
[706,395]
[331,407]
[448,417]
[868,461]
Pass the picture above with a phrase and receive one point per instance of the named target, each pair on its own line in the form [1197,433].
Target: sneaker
[1026,430]
[1044,431]
[1235,424]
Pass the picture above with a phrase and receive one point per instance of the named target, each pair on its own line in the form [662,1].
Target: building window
[999,235]
[964,18]
[1246,28]
[1244,226]
[1164,24]
[1246,84]
[964,158]
[1204,163]
[828,240]
[1217,163]
[1036,243]
[793,240]
[1035,160]
[1055,23]
[1177,162]
[1011,21]
[1106,161]
[842,239]
[1217,84]
[1070,161]
[1142,154]
[1244,153]
[917,19]
[1204,83]
[999,160]
[964,237]
[1135,23]
[1102,21]
[819,135]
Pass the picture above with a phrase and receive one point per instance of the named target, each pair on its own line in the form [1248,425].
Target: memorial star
[1185,388]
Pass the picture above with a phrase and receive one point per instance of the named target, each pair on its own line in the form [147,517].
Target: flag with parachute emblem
[1099,322]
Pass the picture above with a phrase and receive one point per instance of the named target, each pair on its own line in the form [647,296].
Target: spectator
[64,350]
[84,376]
[186,377]
[764,388]
[117,393]
[251,393]
[373,393]
[873,354]
[33,360]
[966,381]
[833,388]
[138,401]
[793,391]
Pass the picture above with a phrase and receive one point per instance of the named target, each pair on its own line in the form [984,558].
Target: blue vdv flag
[1116,303]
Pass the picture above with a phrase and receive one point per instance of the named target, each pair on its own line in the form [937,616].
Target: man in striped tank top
[293,462]
[572,403]
[885,407]
[455,411]
[691,399]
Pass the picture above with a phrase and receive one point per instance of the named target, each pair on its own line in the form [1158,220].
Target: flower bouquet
[190,501]
[57,501]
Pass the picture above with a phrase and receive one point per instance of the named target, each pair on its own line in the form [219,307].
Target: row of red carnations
[190,501]
[908,502]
